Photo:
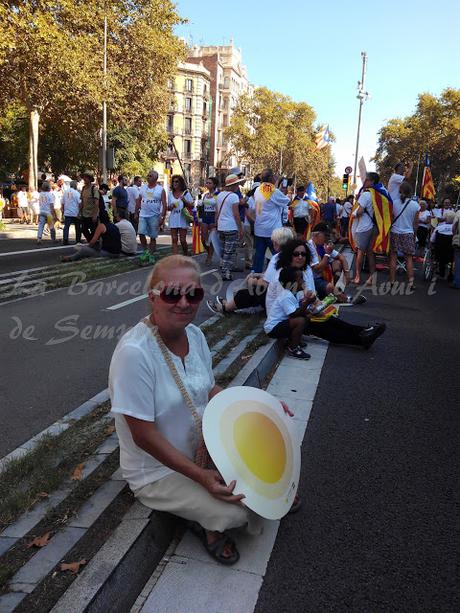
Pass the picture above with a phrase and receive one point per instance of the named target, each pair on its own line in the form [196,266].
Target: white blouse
[142,386]
[175,205]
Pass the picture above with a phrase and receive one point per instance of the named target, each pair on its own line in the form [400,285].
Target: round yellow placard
[250,440]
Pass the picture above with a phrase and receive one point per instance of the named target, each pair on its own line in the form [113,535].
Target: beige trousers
[185,498]
[249,245]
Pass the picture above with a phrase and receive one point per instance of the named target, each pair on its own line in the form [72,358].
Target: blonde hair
[161,269]
[282,235]
[449,216]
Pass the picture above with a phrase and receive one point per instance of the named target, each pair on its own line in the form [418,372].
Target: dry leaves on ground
[77,472]
[110,429]
[40,541]
[74,567]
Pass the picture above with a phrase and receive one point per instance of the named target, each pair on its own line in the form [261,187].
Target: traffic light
[345,181]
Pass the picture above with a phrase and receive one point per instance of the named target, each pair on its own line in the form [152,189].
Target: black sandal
[216,549]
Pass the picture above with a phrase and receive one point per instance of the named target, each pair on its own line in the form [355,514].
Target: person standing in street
[229,224]
[89,206]
[71,204]
[180,200]
[58,193]
[456,247]
[151,209]
[402,172]
[23,204]
[133,195]
[345,216]
[47,214]
[403,229]
[300,211]
[120,196]
[270,210]
[208,217]
[423,228]
[34,208]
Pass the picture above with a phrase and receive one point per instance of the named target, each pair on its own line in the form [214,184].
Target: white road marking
[3,255]
[115,307]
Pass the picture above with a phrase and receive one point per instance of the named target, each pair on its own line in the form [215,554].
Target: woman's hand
[212,481]
[286,409]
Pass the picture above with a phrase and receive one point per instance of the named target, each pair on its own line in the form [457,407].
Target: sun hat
[233,180]
[89,174]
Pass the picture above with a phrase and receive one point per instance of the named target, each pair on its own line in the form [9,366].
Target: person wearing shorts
[208,218]
[364,231]
[151,206]
[403,229]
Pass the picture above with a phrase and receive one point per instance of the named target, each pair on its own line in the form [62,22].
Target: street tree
[434,127]
[51,63]
[269,129]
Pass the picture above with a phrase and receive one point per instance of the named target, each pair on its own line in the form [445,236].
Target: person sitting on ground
[441,240]
[110,241]
[332,329]
[403,228]
[327,263]
[257,283]
[127,233]
[158,422]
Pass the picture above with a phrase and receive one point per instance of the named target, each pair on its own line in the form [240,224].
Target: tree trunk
[34,120]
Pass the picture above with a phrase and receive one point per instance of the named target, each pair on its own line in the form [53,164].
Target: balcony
[187,155]
[187,131]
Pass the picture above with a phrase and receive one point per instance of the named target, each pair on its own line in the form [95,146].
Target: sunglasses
[172,295]
[299,254]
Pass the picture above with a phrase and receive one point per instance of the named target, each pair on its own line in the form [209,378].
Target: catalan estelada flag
[383,215]
[322,139]
[197,245]
[428,191]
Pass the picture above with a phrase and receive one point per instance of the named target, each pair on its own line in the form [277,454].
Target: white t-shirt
[338,209]
[314,254]
[251,207]
[405,222]
[423,218]
[71,202]
[58,194]
[142,386]
[365,222]
[46,203]
[128,236]
[133,195]
[269,213]
[439,212]
[275,287]
[393,185]
[271,274]
[23,202]
[442,228]
[176,219]
[34,201]
[302,208]
[150,200]
[226,221]
[346,209]
[284,305]
[209,203]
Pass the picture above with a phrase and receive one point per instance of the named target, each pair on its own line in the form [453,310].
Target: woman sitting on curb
[160,382]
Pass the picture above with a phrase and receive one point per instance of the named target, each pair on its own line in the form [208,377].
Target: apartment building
[188,125]
[229,80]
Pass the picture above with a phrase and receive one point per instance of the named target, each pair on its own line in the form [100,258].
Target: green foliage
[13,141]
[271,130]
[51,59]
[433,127]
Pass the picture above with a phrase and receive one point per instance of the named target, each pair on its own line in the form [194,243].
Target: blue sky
[311,51]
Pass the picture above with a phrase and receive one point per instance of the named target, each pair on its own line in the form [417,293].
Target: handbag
[202,457]
[188,216]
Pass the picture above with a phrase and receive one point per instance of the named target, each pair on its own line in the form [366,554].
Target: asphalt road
[55,354]
[379,527]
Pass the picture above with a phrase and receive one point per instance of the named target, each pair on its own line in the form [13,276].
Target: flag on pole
[322,139]
[428,190]
[310,192]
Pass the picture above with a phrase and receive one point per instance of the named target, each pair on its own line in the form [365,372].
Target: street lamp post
[104,109]
[362,96]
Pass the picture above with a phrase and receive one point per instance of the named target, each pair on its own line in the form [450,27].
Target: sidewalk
[189,579]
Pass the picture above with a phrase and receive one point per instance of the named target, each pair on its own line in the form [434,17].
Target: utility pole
[104,109]
[362,97]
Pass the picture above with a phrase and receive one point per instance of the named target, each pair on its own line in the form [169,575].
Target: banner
[252,441]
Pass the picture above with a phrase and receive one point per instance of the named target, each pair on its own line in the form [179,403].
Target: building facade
[188,125]
[229,80]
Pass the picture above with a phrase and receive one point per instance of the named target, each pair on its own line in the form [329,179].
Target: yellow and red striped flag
[428,191]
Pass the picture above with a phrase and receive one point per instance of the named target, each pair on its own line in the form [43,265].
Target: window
[188,85]
[171,83]
[225,121]
[188,105]
[205,89]
[187,146]
[188,125]
[205,108]
[226,104]
[226,82]
[170,123]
